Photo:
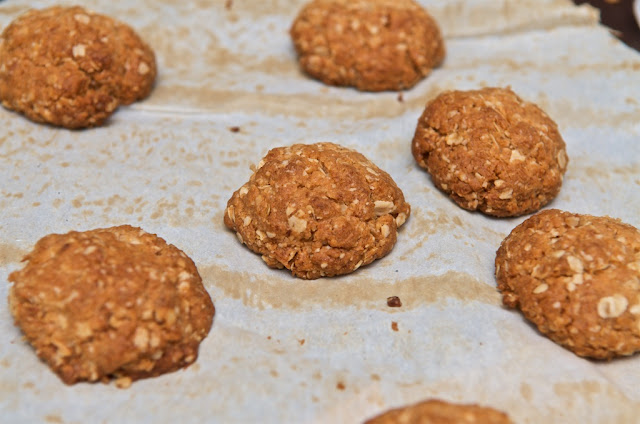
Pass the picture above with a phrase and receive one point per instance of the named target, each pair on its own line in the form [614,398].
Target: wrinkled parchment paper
[324,351]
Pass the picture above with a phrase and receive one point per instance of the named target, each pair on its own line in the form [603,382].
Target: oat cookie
[440,412]
[318,210]
[372,45]
[110,303]
[577,278]
[70,67]
[491,151]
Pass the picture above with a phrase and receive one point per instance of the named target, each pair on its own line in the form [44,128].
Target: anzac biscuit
[110,303]
[373,45]
[318,210]
[577,278]
[439,412]
[491,151]
[70,67]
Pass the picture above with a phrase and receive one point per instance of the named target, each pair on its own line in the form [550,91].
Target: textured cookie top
[491,151]
[577,277]
[318,210]
[439,412]
[71,67]
[372,45]
[114,302]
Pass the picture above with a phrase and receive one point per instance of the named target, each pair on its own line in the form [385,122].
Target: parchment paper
[324,351]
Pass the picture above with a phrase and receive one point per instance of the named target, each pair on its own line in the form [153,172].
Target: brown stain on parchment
[250,9]
[602,170]
[10,254]
[526,391]
[173,208]
[597,175]
[448,14]
[569,113]
[307,105]
[424,224]
[262,292]
[569,397]
[621,409]
[219,58]
[55,419]
[546,67]
[12,10]
[390,147]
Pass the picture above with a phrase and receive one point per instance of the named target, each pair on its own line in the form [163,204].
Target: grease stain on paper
[260,291]
[54,419]
[10,254]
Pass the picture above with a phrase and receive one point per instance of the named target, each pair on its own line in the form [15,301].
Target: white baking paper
[324,351]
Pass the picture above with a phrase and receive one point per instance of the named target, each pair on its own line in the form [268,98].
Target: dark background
[618,15]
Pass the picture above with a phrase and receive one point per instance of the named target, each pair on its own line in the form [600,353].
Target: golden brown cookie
[110,303]
[491,151]
[70,67]
[319,210]
[372,45]
[439,412]
[577,278]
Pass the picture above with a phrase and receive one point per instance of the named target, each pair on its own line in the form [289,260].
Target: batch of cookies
[121,304]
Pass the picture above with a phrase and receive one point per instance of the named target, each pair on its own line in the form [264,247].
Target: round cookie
[318,210]
[491,151]
[110,303]
[577,278]
[372,45]
[70,67]
[439,412]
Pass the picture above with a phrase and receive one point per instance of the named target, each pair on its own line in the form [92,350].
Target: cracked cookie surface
[319,210]
[110,303]
[440,412]
[577,278]
[372,45]
[491,151]
[70,67]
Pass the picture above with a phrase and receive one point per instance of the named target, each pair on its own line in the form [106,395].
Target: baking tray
[330,350]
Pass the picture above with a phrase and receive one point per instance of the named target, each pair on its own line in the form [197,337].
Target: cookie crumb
[234,129]
[394,302]
[123,382]
[394,326]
